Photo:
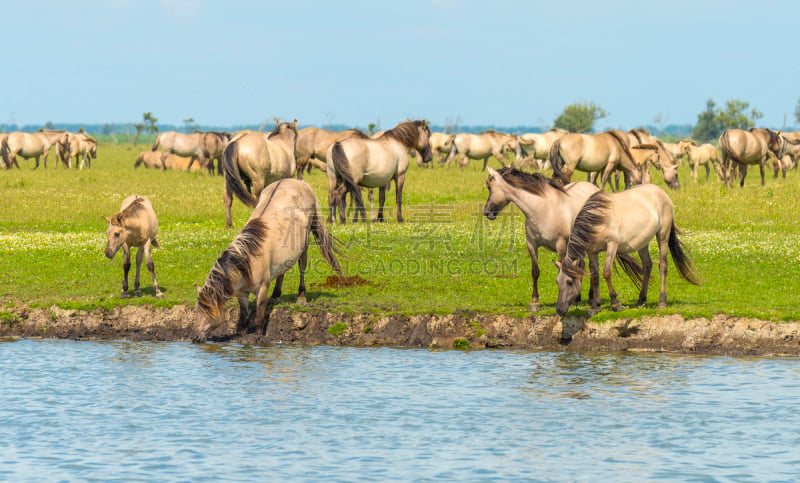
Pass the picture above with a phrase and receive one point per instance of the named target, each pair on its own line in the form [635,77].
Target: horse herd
[576,220]
[38,144]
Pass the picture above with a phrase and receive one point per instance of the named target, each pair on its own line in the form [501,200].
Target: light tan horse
[28,145]
[134,225]
[665,161]
[549,207]
[313,144]
[605,151]
[534,148]
[214,142]
[616,223]
[274,239]
[467,146]
[190,145]
[441,144]
[152,160]
[254,159]
[373,163]
[792,146]
[704,155]
[79,145]
[744,148]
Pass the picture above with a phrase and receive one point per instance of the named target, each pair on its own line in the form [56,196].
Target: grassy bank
[445,258]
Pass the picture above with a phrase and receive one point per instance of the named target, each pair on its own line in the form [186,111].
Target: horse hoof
[301,300]
[124,295]
[159,295]
[273,300]
[534,307]
[616,307]
[662,305]
[138,293]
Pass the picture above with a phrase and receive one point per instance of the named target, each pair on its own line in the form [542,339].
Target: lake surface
[104,411]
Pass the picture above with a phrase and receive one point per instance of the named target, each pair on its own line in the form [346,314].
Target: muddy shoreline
[722,335]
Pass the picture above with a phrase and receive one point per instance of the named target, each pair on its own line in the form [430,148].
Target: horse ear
[295,123]
[557,264]
[108,220]
[491,172]
[197,287]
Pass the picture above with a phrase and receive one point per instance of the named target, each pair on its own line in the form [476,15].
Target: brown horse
[744,148]
[441,144]
[152,159]
[664,161]
[373,163]
[605,151]
[134,225]
[79,145]
[254,159]
[274,239]
[28,145]
[313,144]
[214,142]
[534,148]
[618,223]
[190,145]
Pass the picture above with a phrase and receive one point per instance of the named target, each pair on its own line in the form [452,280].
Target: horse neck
[535,207]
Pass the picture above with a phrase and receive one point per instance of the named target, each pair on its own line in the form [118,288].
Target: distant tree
[148,124]
[139,129]
[708,126]
[49,125]
[371,128]
[579,117]
[190,125]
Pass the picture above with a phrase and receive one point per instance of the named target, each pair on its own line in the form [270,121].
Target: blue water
[103,411]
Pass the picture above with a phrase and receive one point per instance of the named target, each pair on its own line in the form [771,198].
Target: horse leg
[164,155]
[761,169]
[398,186]
[743,173]
[227,200]
[663,249]
[301,289]
[244,312]
[594,282]
[341,201]
[126,267]
[37,163]
[611,253]
[647,268]
[261,307]
[332,200]
[139,258]
[533,250]
[277,291]
[301,166]
[485,163]
[152,268]
[371,196]
[381,202]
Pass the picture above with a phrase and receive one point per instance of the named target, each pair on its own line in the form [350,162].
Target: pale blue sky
[501,62]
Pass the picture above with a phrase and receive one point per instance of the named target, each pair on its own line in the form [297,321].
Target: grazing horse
[214,143]
[190,145]
[549,207]
[704,155]
[28,145]
[441,144]
[468,146]
[792,146]
[80,145]
[273,240]
[744,148]
[313,144]
[605,151]
[534,148]
[373,163]
[134,225]
[621,222]
[665,161]
[152,159]
[254,159]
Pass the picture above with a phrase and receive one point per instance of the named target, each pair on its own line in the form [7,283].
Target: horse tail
[725,145]
[4,152]
[329,246]
[233,180]
[155,244]
[156,142]
[557,162]
[681,258]
[342,167]
[139,160]
[630,268]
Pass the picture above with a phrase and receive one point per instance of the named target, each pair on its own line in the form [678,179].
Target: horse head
[569,280]
[117,234]
[424,141]
[497,197]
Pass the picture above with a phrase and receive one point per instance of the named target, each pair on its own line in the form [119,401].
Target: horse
[152,159]
[468,146]
[549,207]
[134,225]
[665,161]
[622,222]
[253,160]
[28,145]
[214,142]
[744,148]
[704,155]
[80,145]
[190,145]
[792,146]
[373,163]
[273,240]
[441,143]
[313,144]
[534,148]
[605,151]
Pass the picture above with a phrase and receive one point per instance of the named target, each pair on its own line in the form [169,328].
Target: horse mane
[558,129]
[405,133]
[136,206]
[357,133]
[594,213]
[535,183]
[774,137]
[277,130]
[623,141]
[233,264]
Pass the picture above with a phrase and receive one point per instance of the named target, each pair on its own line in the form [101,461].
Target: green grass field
[446,257]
